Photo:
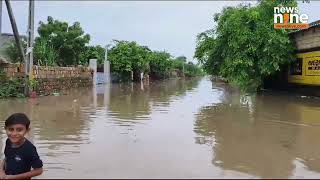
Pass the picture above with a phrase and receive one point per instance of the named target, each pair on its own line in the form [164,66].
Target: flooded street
[172,129]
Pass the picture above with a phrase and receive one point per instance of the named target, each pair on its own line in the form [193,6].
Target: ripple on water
[214,131]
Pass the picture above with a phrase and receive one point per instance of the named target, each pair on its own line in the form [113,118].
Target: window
[296,67]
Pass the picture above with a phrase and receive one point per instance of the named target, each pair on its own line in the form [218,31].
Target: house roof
[3,60]
[313,24]
[12,35]
[6,34]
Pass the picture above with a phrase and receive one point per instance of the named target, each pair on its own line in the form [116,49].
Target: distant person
[20,154]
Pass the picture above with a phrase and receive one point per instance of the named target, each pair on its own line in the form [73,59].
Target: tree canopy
[160,64]
[127,56]
[243,46]
[69,41]
[61,44]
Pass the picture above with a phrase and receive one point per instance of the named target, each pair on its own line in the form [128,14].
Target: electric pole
[30,33]
[18,43]
[106,68]
[15,30]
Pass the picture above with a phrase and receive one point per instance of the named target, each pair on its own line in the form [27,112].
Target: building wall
[52,79]
[307,39]
[307,71]
[306,68]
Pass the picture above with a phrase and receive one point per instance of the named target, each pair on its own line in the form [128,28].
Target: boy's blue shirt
[21,159]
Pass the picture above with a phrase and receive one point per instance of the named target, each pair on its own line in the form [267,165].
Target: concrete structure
[51,79]
[107,72]
[106,69]
[307,40]
[306,68]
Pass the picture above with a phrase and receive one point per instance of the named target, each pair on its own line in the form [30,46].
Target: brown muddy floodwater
[173,129]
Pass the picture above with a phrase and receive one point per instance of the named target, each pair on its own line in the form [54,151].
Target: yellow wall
[310,69]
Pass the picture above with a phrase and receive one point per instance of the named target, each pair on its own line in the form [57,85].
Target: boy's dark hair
[18,118]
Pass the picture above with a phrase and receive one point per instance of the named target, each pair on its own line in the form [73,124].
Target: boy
[20,153]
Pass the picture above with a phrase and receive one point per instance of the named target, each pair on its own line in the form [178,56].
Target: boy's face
[16,133]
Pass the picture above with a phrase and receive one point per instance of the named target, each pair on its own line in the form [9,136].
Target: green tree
[181,58]
[12,50]
[244,47]
[207,52]
[45,54]
[68,41]
[192,70]
[178,65]
[160,64]
[128,56]
[93,52]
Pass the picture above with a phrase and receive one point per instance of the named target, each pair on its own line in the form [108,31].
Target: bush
[10,88]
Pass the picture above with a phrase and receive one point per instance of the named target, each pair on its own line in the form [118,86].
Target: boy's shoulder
[28,143]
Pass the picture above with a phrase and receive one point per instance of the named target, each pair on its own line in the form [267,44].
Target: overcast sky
[160,25]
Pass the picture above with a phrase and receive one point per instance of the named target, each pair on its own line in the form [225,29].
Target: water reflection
[62,126]
[58,126]
[132,103]
[172,129]
[262,135]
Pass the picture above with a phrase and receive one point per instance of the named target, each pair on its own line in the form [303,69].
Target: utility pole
[18,42]
[106,68]
[15,30]
[30,33]
[183,69]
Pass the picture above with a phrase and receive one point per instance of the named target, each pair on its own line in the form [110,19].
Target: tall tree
[181,58]
[160,64]
[68,41]
[93,52]
[128,56]
[244,47]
